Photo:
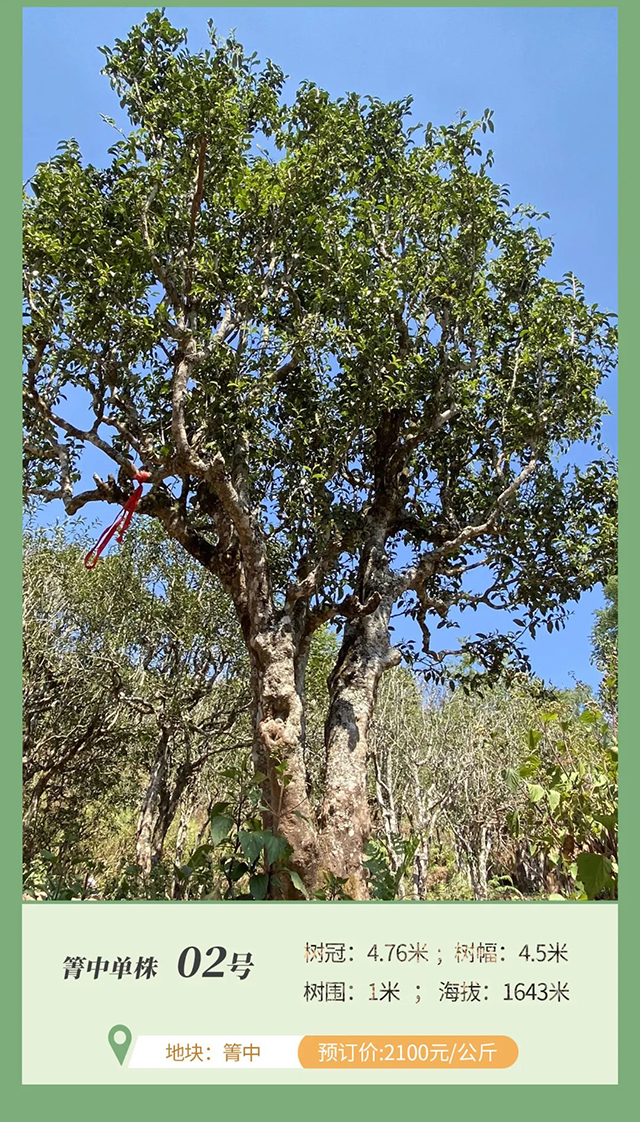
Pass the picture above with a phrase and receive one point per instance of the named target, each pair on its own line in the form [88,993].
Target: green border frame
[281,1102]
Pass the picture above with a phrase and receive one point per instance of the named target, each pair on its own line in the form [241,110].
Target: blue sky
[549,74]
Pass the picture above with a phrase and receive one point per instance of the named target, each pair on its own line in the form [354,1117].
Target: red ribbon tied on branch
[120,525]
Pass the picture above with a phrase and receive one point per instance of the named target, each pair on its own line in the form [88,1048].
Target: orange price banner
[407,1051]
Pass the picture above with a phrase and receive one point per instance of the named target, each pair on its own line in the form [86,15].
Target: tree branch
[416,576]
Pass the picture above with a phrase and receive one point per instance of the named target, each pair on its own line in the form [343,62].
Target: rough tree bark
[365,654]
[421,863]
[383,764]
[278,668]
[424,827]
[277,640]
[478,862]
[160,804]
[181,838]
[149,838]
[473,851]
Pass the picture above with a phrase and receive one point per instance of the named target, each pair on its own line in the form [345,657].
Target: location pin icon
[120,1046]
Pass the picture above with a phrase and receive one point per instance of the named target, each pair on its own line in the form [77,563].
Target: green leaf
[594,871]
[220,826]
[536,792]
[513,823]
[553,798]
[237,869]
[511,778]
[274,846]
[218,808]
[588,718]
[609,821]
[297,883]
[230,773]
[529,767]
[258,886]
[251,843]
[199,856]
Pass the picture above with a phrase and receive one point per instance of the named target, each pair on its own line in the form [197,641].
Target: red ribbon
[119,527]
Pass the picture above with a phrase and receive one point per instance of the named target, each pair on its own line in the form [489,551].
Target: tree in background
[81,740]
[514,787]
[134,677]
[335,348]
[604,639]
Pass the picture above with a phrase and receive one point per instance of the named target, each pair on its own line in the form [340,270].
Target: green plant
[568,811]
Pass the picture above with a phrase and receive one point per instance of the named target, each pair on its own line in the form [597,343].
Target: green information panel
[320,994]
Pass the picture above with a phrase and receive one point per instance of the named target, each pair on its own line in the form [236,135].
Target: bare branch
[89,436]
